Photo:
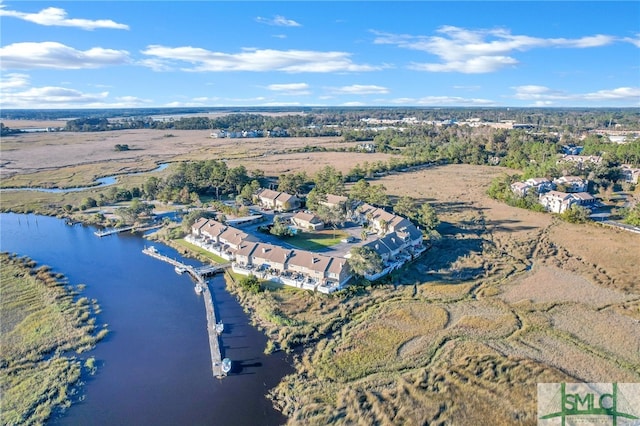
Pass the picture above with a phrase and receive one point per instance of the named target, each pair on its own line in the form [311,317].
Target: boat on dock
[219,327]
[226,365]
[180,270]
[198,289]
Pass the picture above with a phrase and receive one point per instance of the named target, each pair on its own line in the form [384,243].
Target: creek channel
[154,367]
[98,183]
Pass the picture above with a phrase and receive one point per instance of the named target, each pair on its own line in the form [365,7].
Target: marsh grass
[381,354]
[42,320]
[373,343]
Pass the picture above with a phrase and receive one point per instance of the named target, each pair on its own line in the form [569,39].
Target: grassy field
[181,242]
[316,241]
[505,299]
[42,320]
[508,298]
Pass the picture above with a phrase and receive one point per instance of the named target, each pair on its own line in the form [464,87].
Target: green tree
[372,194]
[280,228]
[218,175]
[407,207]
[427,217]
[333,216]
[135,209]
[314,199]
[151,187]
[88,203]
[575,214]
[329,181]
[360,190]
[293,183]
[250,283]
[365,260]
[246,195]
[632,215]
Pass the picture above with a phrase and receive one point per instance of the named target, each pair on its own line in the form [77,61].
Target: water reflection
[155,366]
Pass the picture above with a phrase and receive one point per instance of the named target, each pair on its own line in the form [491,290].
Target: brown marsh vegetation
[508,298]
[505,299]
[42,321]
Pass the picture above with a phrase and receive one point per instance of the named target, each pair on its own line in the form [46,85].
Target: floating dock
[198,274]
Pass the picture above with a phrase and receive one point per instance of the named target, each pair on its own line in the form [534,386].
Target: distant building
[572,149]
[559,202]
[307,221]
[630,174]
[555,201]
[540,185]
[581,160]
[335,201]
[572,183]
[520,188]
[276,200]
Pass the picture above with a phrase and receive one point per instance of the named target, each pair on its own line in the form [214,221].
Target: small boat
[180,270]
[198,288]
[226,365]
[219,327]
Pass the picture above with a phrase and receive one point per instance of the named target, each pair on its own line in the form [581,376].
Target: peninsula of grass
[181,242]
[43,321]
[316,241]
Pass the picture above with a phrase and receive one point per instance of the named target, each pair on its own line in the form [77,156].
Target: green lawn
[316,241]
[201,251]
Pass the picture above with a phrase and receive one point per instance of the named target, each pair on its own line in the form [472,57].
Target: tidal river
[155,364]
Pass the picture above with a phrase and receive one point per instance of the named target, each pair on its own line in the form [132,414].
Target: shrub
[250,283]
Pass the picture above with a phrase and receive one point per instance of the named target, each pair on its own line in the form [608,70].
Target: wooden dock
[106,232]
[198,274]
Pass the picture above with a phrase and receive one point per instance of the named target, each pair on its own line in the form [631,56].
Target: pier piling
[197,274]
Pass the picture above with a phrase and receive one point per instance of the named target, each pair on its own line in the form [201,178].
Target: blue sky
[93,54]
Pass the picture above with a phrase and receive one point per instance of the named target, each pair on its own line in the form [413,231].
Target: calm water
[155,365]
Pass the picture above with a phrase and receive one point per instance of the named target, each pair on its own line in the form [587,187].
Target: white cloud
[14,80]
[281,104]
[635,41]
[50,96]
[55,55]
[250,59]
[16,91]
[584,42]
[620,93]
[479,51]
[470,88]
[53,16]
[444,101]
[205,100]
[477,65]
[359,89]
[292,89]
[278,21]
[542,95]
[353,104]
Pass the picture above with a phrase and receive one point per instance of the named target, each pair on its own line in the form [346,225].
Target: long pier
[107,232]
[198,274]
[112,231]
